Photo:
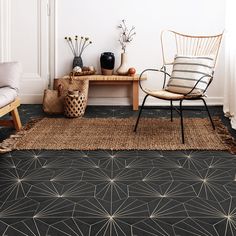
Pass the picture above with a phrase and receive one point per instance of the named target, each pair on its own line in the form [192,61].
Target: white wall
[99,20]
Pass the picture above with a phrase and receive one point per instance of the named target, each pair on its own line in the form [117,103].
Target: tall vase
[77,62]
[123,68]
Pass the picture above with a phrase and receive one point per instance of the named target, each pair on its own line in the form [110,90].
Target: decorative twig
[82,49]
[126,35]
[68,41]
[80,43]
[131,34]
[85,47]
[76,45]
[72,46]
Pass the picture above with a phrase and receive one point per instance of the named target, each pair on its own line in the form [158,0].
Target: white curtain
[230,59]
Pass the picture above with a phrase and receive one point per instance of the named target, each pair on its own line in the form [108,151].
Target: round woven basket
[75,105]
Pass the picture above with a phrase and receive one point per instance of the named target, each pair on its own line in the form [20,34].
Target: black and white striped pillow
[187,71]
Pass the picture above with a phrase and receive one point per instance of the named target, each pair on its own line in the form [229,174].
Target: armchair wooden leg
[144,100]
[16,119]
[181,120]
[171,110]
[212,123]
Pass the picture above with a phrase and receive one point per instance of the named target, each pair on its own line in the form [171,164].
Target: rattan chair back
[188,45]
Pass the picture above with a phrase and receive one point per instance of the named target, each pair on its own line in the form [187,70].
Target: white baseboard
[212,101]
[126,101]
[110,101]
[31,98]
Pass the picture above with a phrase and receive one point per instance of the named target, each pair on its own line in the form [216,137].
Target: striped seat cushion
[187,71]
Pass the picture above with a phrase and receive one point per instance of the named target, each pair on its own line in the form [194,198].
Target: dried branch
[80,43]
[71,48]
[126,35]
[76,45]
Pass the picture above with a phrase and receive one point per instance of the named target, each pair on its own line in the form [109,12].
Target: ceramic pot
[77,62]
[107,62]
[123,68]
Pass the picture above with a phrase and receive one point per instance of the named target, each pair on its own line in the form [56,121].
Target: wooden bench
[113,80]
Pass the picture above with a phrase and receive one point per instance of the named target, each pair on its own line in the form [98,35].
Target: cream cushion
[10,75]
[163,94]
[187,70]
[7,95]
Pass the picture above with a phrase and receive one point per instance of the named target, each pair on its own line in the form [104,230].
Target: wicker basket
[82,73]
[75,105]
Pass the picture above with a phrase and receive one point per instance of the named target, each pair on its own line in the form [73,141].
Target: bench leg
[135,95]
[16,119]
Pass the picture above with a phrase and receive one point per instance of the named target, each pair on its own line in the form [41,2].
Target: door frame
[40,79]
[4,30]
[52,8]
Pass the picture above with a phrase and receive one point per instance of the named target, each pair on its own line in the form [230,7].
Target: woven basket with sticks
[76,98]
[75,105]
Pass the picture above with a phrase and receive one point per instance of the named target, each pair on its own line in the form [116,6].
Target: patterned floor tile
[193,227]
[111,191]
[29,227]
[152,226]
[117,193]
[71,226]
[56,207]
[23,208]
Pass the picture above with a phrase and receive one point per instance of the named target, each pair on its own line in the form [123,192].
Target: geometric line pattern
[117,193]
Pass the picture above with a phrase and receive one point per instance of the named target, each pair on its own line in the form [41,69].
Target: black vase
[77,62]
[107,61]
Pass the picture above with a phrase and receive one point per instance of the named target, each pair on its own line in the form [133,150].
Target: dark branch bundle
[78,45]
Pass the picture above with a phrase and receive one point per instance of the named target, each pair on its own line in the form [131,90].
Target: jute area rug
[117,134]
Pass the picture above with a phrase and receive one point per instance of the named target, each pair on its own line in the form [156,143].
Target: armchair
[192,63]
[9,87]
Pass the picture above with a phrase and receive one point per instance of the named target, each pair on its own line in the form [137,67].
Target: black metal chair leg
[144,100]
[181,120]
[212,123]
[171,110]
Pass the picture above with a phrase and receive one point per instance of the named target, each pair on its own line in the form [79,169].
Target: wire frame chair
[184,45]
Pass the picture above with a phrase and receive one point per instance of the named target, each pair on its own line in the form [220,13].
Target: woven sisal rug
[117,134]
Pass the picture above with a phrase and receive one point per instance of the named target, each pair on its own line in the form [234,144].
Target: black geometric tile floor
[107,193]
